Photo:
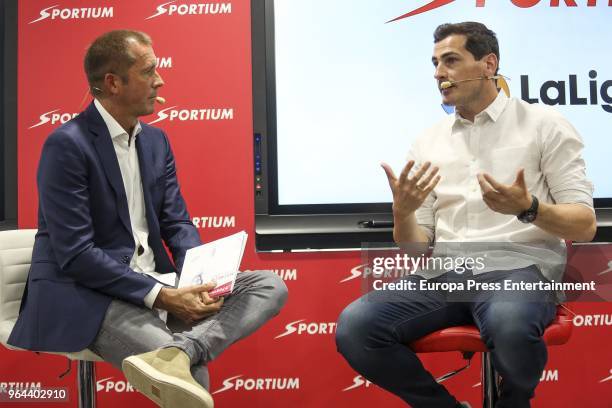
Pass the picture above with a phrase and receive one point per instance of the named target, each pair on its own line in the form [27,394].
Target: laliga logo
[432,5]
[53,118]
[73,13]
[118,386]
[194,114]
[191,9]
[237,383]
[358,381]
[309,328]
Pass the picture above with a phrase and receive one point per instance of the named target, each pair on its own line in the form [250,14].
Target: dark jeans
[373,332]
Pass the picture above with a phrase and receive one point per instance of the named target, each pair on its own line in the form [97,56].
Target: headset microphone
[501,82]
[159,99]
[448,84]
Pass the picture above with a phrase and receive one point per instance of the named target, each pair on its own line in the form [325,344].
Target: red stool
[466,339]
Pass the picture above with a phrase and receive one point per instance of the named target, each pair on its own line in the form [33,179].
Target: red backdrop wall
[204,58]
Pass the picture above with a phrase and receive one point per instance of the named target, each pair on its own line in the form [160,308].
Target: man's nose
[440,72]
[158,80]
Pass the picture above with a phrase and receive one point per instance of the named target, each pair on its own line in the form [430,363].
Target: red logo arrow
[428,7]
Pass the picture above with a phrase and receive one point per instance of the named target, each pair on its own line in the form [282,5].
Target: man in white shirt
[498,171]
[109,200]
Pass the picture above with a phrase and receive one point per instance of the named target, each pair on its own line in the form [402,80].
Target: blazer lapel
[147,177]
[145,157]
[106,151]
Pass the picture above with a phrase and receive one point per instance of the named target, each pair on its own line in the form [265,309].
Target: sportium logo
[286,274]
[53,117]
[214,222]
[108,385]
[357,272]
[550,376]
[173,114]
[365,271]
[171,8]
[164,62]
[239,383]
[300,327]
[592,320]
[358,382]
[14,385]
[432,5]
[546,376]
[79,13]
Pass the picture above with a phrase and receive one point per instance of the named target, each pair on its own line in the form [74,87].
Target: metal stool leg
[490,383]
[86,373]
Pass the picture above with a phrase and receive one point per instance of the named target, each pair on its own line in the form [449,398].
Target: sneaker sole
[166,391]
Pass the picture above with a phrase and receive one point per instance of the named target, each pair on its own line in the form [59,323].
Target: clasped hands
[409,193]
[190,303]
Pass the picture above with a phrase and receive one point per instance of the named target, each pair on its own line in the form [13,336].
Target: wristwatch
[530,214]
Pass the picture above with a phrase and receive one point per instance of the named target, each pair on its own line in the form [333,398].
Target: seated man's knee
[356,327]
[278,288]
[508,325]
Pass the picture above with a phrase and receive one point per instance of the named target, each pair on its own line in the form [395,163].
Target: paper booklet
[216,261]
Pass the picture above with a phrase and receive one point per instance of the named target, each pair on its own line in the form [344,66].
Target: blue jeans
[373,332]
[128,329]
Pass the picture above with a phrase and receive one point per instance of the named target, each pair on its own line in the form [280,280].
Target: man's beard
[472,97]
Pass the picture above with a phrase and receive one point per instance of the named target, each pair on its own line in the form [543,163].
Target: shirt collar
[493,111]
[114,128]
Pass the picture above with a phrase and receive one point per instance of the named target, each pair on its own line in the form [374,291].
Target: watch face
[528,216]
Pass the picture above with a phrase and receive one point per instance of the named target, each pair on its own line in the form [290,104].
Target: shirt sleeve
[562,164]
[149,299]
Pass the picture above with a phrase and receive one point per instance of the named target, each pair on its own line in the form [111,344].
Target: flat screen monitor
[341,86]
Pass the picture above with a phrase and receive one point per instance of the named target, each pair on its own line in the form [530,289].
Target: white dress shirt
[143,260]
[508,135]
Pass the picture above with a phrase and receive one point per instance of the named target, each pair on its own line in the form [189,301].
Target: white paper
[217,261]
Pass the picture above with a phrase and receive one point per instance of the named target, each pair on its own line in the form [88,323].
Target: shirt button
[140,250]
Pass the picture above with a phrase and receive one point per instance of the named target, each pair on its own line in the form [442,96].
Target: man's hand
[504,199]
[409,193]
[190,304]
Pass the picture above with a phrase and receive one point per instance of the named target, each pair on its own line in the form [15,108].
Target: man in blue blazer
[100,276]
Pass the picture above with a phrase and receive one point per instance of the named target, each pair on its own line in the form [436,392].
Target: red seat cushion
[467,338]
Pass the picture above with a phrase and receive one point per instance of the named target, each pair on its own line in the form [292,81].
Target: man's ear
[112,83]
[490,63]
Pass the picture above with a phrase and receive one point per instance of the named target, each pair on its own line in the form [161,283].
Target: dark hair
[480,41]
[109,53]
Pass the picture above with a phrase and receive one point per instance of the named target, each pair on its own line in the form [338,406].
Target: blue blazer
[84,243]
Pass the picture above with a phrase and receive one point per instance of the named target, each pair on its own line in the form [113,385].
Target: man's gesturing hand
[410,192]
[504,199]
[190,304]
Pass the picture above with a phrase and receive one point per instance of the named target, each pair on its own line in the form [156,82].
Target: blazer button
[125,259]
